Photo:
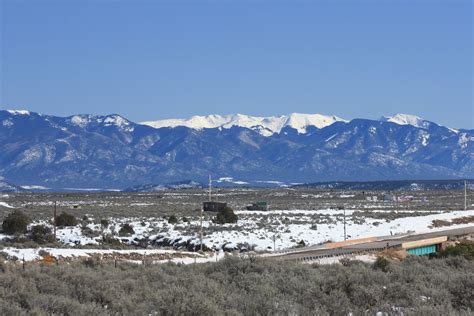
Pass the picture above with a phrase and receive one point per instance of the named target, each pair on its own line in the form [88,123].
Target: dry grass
[454,221]
[394,254]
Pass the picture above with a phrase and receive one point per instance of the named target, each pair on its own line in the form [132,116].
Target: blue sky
[158,59]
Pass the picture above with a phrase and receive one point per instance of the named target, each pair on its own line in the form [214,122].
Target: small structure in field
[212,206]
[258,206]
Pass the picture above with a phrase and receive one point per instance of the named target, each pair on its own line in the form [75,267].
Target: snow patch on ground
[4,204]
[34,187]
[230,180]
[183,257]
[337,260]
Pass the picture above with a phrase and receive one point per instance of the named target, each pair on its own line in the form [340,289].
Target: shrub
[89,232]
[440,223]
[91,262]
[301,243]
[111,241]
[172,219]
[104,223]
[43,253]
[381,263]
[464,248]
[239,286]
[227,215]
[3,267]
[41,234]
[65,219]
[15,223]
[126,230]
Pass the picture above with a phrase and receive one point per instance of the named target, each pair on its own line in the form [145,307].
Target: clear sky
[152,60]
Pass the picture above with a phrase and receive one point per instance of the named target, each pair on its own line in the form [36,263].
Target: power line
[465,195]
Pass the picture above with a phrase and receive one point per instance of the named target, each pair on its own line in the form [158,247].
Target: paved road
[311,252]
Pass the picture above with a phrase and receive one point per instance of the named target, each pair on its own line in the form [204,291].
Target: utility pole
[201,227]
[345,224]
[54,220]
[398,201]
[274,239]
[465,195]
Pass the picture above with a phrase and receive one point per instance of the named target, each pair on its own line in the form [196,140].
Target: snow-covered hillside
[267,126]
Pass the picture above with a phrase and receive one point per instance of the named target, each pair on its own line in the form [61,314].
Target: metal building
[211,206]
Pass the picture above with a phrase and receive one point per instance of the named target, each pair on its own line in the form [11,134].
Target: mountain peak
[406,119]
[81,120]
[117,120]
[18,112]
[84,120]
[300,121]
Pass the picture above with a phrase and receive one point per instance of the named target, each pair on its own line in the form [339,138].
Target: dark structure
[213,206]
[258,206]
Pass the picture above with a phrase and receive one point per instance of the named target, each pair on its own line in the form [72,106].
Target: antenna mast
[210,188]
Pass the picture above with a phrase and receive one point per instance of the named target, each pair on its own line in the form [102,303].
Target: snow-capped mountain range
[112,152]
[266,126]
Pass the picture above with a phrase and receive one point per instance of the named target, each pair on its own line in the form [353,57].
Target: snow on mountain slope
[301,121]
[84,120]
[80,120]
[406,119]
[267,126]
[18,112]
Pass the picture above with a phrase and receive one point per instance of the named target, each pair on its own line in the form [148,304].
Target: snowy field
[255,230]
[296,217]
[135,256]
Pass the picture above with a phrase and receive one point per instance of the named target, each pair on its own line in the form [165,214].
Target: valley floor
[311,218]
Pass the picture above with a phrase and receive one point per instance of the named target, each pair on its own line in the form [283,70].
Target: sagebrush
[237,286]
